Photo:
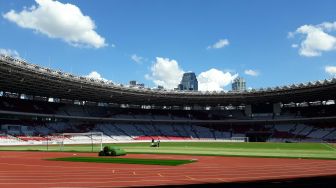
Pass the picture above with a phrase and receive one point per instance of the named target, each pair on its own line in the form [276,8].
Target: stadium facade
[36,101]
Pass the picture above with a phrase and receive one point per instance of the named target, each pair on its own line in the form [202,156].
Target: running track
[28,169]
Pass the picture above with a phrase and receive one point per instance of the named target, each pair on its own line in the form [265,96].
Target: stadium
[254,138]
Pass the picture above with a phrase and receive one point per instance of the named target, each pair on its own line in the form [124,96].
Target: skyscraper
[239,84]
[189,82]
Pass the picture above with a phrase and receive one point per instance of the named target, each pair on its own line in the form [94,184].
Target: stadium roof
[18,76]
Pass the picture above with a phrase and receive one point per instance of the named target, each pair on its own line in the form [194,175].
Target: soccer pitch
[250,149]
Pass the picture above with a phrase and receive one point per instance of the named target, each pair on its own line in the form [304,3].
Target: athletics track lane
[28,169]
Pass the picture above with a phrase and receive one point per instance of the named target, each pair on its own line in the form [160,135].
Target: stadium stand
[37,104]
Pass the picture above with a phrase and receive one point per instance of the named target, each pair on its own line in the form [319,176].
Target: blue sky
[275,42]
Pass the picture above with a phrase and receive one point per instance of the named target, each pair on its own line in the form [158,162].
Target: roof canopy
[18,76]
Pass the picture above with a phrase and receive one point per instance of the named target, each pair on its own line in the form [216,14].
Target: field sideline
[276,150]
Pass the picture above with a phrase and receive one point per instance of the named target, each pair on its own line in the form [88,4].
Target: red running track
[29,169]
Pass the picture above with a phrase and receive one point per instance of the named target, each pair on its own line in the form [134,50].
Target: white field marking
[252,174]
[160,157]
[193,167]
[191,178]
[298,165]
[113,171]
[217,170]
[262,166]
[265,167]
[277,176]
[253,177]
[328,146]
[62,179]
[249,170]
[270,177]
[31,174]
[160,175]
[221,150]
[71,187]
[96,177]
[221,179]
[78,176]
[75,167]
[283,170]
[324,162]
[98,182]
[14,179]
[134,173]
[150,169]
[174,176]
[330,171]
[301,164]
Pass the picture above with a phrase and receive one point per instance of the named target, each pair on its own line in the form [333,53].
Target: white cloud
[95,75]
[219,44]
[9,52]
[291,35]
[330,70]
[58,20]
[137,59]
[168,73]
[251,72]
[328,26]
[165,72]
[295,45]
[214,80]
[316,39]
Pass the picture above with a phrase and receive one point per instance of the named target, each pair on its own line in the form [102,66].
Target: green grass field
[280,150]
[166,162]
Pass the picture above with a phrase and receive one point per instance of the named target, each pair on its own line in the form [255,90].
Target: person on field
[153,143]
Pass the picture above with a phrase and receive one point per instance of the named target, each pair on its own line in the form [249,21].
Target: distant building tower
[132,83]
[239,84]
[142,85]
[189,82]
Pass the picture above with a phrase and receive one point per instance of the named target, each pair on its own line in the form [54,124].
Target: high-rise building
[133,83]
[239,84]
[189,82]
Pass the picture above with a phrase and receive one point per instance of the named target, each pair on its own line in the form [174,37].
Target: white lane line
[194,167]
[96,182]
[191,178]
[171,174]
